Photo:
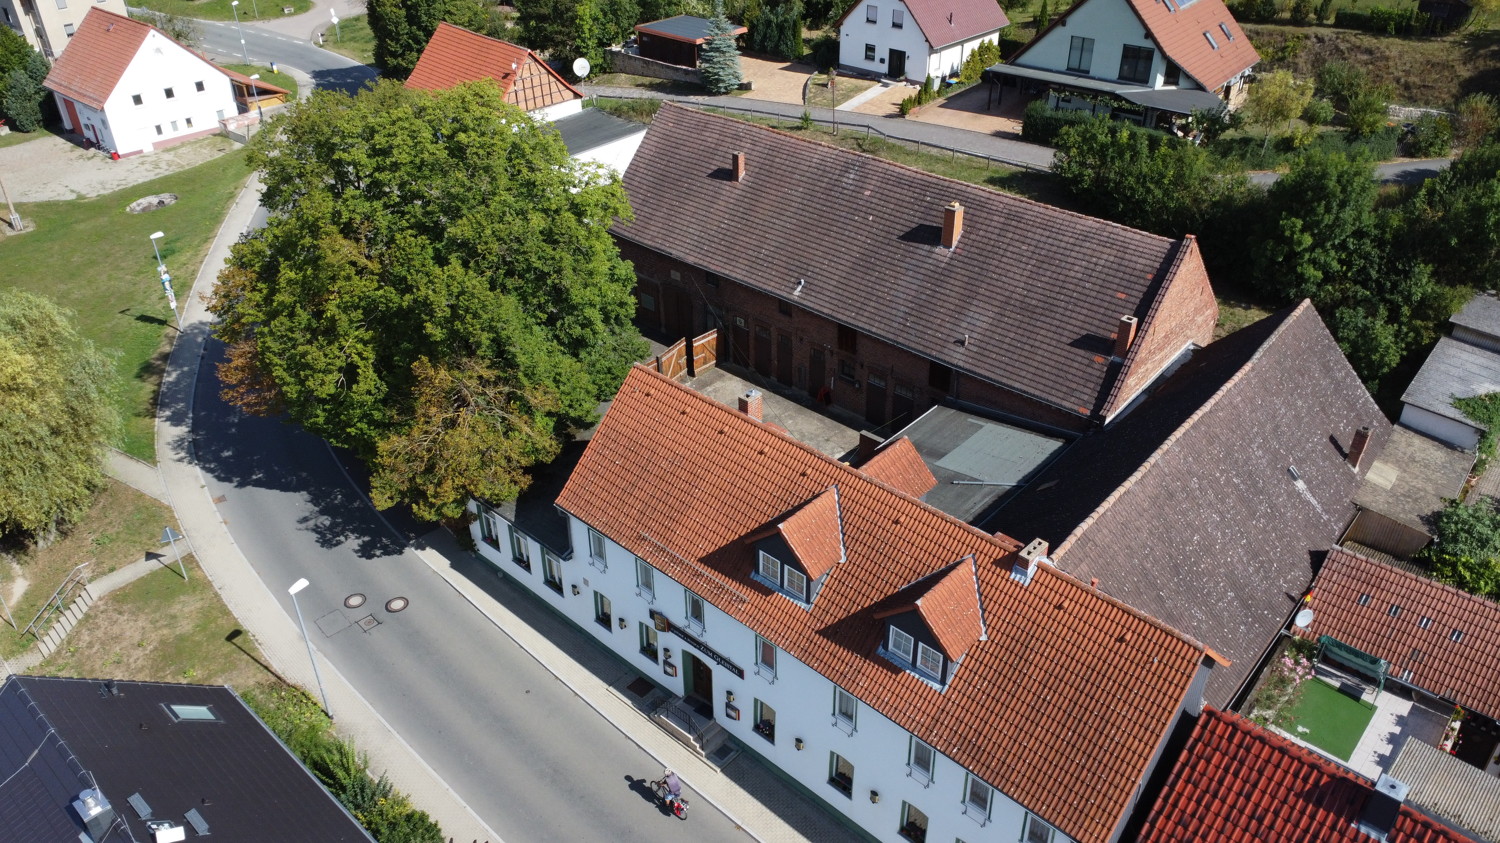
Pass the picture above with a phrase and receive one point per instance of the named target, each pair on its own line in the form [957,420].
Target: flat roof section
[978,462]
[688,28]
[593,128]
[1412,478]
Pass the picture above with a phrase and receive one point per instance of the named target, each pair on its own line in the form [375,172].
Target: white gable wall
[856,32]
[1441,428]
[1113,25]
[802,698]
[548,114]
[616,154]
[158,65]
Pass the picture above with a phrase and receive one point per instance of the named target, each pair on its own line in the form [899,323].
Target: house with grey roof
[1454,369]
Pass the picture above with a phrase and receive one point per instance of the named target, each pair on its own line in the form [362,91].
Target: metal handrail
[54,604]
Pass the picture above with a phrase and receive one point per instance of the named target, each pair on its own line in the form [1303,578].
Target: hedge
[1041,122]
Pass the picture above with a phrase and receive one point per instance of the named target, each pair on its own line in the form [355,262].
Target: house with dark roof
[1157,59]
[1463,365]
[1211,503]
[915,39]
[927,679]
[679,39]
[95,761]
[884,290]
[129,88]
[454,55]
[1238,782]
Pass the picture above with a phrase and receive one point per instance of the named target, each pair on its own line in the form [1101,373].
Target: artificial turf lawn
[1334,720]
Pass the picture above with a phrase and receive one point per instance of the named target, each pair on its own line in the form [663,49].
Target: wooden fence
[689,356]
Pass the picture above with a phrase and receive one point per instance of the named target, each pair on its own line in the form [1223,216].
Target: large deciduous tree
[1277,99]
[402,28]
[56,416]
[435,288]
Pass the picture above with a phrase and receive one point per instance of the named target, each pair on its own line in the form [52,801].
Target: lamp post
[160,267]
[234,6]
[260,116]
[255,7]
[169,535]
[296,587]
[166,286]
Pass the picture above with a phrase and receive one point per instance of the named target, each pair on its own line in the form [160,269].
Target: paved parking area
[775,81]
[967,110]
[51,168]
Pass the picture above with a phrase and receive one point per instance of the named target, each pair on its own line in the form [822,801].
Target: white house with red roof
[1157,57]
[914,39]
[129,88]
[454,55]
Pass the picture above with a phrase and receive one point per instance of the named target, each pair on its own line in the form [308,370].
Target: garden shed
[676,40]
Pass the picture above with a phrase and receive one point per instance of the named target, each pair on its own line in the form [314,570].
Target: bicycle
[678,805]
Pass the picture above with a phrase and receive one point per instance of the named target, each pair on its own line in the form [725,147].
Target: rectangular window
[765,721]
[846,369]
[158,128]
[69,29]
[711,279]
[869,52]
[648,302]
[922,761]
[198,86]
[135,99]
[1081,54]
[1135,64]
[913,823]
[596,550]
[169,93]
[552,571]
[930,661]
[848,339]
[939,376]
[603,612]
[62,4]
[1172,76]
[219,115]
[845,708]
[489,528]
[841,774]
[1036,831]
[188,121]
[898,19]
[769,567]
[765,657]
[648,640]
[796,583]
[977,799]
[695,611]
[645,578]
[901,644]
[174,125]
[872,13]
[520,549]
[193,712]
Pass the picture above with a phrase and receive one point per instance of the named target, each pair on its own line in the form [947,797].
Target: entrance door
[763,350]
[784,358]
[903,402]
[698,679]
[73,122]
[897,63]
[816,377]
[677,312]
[875,400]
[739,345]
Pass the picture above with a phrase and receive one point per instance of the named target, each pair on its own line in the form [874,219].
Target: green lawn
[94,258]
[279,79]
[220,9]
[1334,720]
[352,38]
[14,138]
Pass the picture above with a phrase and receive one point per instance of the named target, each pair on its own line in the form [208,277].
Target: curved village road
[528,756]
[327,68]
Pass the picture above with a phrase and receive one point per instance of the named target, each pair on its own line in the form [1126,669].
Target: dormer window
[783,578]
[929,661]
[902,645]
[796,554]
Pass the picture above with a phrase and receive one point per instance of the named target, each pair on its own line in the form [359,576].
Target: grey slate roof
[1481,313]
[680,27]
[1449,788]
[864,234]
[1453,370]
[1186,508]
[593,128]
[535,513]
[243,782]
[1410,479]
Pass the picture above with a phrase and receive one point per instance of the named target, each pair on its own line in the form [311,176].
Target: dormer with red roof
[1158,57]
[933,622]
[914,39]
[797,555]
[455,55]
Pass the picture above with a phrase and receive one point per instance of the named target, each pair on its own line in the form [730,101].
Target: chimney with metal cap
[1357,446]
[953,224]
[750,404]
[1382,808]
[1027,559]
[739,166]
[1125,337]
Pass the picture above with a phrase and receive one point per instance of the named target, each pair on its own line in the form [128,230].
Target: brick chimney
[1125,336]
[953,224]
[1025,565]
[739,166]
[750,404]
[1358,445]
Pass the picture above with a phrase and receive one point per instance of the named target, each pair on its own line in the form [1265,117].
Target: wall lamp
[728,696]
[798,743]
[575,589]
[622,623]
[874,796]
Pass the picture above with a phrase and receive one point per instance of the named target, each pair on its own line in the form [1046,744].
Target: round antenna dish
[1303,619]
[581,67]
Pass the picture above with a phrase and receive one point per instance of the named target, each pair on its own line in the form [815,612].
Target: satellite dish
[1303,619]
[581,67]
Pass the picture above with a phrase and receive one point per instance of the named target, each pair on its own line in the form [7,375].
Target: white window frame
[761,667]
[841,700]
[787,574]
[910,651]
[690,599]
[906,809]
[872,13]
[914,769]
[552,565]
[769,567]
[1034,823]
[1083,48]
[603,604]
[648,634]
[520,548]
[598,547]
[645,580]
[833,765]
[973,810]
[898,19]
[921,663]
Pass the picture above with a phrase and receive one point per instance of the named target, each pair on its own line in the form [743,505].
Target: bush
[1385,21]
[1041,122]
[1366,112]
[981,57]
[1465,552]
[1255,11]
[1301,12]
[1474,119]
[1319,112]
[1337,81]
[825,52]
[1430,137]
[778,32]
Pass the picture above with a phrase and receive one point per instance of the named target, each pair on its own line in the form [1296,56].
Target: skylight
[1224,27]
[1211,41]
[199,713]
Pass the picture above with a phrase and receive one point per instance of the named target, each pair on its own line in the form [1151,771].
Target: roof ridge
[1051,209]
[1203,410]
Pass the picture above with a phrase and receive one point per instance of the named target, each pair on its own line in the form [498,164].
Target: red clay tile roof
[1082,686]
[456,55]
[898,464]
[1053,302]
[1420,637]
[945,22]
[815,532]
[97,56]
[948,602]
[1238,783]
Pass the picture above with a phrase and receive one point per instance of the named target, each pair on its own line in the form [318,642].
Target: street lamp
[166,284]
[260,116]
[169,535]
[296,587]
[234,6]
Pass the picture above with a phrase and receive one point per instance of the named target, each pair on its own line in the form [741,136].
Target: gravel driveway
[51,168]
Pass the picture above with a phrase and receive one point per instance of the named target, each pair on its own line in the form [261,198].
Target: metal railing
[55,603]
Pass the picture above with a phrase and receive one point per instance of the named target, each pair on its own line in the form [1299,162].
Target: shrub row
[1041,122]
[1386,21]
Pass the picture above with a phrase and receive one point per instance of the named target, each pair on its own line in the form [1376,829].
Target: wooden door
[763,350]
[875,400]
[739,343]
[677,313]
[74,123]
[784,361]
[903,403]
[817,379]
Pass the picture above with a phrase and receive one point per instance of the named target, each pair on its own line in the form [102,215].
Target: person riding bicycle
[674,788]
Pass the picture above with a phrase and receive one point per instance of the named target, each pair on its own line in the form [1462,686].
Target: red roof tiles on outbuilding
[898,464]
[455,55]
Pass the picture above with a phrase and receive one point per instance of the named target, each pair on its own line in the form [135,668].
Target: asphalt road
[1396,172]
[530,758]
[327,68]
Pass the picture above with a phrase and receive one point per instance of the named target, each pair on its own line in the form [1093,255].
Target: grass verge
[111,283]
[645,83]
[818,94]
[14,138]
[1334,721]
[279,79]
[352,38]
[249,10]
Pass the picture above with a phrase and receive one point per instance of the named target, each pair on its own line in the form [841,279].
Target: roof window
[1224,28]
[1211,41]
[1394,611]
[1456,636]
[197,713]
[1425,622]
[1364,600]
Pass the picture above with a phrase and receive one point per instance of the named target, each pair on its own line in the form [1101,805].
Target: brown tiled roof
[97,56]
[898,464]
[1082,686]
[948,602]
[1187,509]
[1054,283]
[1419,638]
[456,55]
[815,532]
[945,22]
[1238,783]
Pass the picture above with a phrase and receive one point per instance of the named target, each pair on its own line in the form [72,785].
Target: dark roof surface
[533,511]
[1081,685]
[1238,783]
[1454,370]
[685,28]
[1464,670]
[592,128]
[1449,787]
[1481,313]
[235,773]
[1054,283]
[1187,509]
[1412,477]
